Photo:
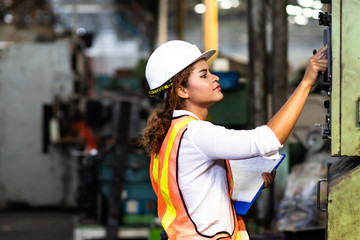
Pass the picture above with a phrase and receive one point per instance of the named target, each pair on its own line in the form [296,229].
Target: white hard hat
[168,60]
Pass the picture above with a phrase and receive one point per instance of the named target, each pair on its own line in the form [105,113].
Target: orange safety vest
[171,207]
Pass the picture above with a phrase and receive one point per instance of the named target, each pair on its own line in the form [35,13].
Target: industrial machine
[342,124]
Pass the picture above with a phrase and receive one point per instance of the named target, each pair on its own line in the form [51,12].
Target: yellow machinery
[342,127]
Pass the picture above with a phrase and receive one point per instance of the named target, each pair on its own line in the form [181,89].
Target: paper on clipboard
[247,179]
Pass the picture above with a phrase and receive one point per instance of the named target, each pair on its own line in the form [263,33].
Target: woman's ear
[182,92]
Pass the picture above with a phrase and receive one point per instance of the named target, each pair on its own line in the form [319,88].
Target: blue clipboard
[241,208]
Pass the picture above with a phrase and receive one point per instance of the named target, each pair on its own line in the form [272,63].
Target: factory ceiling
[126,20]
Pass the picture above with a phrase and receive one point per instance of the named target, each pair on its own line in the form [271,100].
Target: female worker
[188,172]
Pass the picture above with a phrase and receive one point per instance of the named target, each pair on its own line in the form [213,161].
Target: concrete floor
[36,225]
[59,225]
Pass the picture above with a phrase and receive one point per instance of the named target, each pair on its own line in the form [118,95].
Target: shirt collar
[178,113]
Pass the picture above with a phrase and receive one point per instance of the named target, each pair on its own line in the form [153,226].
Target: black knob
[327,132]
[326,103]
[325,129]
[324,19]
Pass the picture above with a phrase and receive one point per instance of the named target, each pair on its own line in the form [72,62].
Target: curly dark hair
[159,121]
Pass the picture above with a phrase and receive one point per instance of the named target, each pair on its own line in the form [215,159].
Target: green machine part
[343,199]
[345,109]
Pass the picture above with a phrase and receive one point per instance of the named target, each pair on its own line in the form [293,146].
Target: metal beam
[162,21]
[257,62]
[279,63]
[210,26]
[181,19]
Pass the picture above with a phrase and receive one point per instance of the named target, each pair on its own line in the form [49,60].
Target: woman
[188,172]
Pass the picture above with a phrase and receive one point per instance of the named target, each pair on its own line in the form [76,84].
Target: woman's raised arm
[284,120]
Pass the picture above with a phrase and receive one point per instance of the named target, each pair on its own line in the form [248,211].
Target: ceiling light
[235,3]
[305,3]
[8,18]
[307,12]
[317,5]
[293,10]
[301,20]
[291,19]
[225,4]
[315,14]
[200,8]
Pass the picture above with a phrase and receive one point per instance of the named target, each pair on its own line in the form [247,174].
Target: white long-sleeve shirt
[202,173]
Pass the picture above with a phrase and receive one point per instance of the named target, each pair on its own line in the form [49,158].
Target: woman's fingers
[268,179]
[318,64]
[273,173]
[319,54]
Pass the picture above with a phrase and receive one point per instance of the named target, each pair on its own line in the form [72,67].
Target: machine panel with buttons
[342,127]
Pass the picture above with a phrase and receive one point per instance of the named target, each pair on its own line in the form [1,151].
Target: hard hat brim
[206,55]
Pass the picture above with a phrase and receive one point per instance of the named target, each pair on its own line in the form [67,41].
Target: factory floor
[59,225]
[37,225]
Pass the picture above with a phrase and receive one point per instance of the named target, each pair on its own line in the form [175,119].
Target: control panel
[342,121]
[325,20]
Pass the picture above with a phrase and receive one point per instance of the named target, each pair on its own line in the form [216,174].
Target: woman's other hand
[268,178]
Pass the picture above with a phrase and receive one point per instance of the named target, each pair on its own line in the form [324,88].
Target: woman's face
[202,89]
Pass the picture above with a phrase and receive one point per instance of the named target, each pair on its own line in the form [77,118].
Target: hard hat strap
[163,87]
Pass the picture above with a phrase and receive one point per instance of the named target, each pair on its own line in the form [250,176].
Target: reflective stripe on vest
[171,208]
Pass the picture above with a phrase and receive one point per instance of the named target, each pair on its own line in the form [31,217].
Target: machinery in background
[233,110]
[117,121]
[297,215]
[33,85]
[342,126]
[55,127]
